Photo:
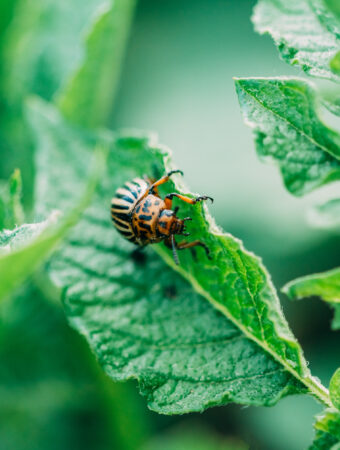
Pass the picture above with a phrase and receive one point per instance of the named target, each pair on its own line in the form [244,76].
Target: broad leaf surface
[88,97]
[306,33]
[283,115]
[144,321]
[325,285]
[327,427]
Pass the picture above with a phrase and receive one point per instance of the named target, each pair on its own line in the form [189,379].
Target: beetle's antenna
[174,251]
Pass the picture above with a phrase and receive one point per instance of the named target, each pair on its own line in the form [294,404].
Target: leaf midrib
[308,138]
[314,387]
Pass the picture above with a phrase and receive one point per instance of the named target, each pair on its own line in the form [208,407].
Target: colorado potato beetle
[143,217]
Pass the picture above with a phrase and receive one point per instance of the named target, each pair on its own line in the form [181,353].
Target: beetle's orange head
[169,224]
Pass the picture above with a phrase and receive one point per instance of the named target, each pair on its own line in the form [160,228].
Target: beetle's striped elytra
[143,217]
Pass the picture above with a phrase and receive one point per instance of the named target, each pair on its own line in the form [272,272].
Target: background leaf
[39,57]
[305,32]
[283,115]
[325,285]
[334,389]
[145,322]
[36,58]
[43,48]
[23,249]
[327,430]
[89,96]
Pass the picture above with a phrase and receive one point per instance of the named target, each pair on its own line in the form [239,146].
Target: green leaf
[39,57]
[326,215]
[11,211]
[88,97]
[334,389]
[144,321]
[42,48]
[327,428]
[306,33]
[288,130]
[23,249]
[325,285]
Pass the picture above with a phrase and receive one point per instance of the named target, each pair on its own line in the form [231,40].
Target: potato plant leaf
[24,248]
[327,435]
[288,130]
[325,285]
[88,97]
[142,319]
[334,389]
[306,33]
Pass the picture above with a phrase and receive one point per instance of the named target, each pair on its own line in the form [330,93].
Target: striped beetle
[143,217]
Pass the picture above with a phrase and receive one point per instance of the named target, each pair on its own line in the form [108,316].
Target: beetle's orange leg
[153,188]
[183,245]
[168,199]
[164,179]
[172,244]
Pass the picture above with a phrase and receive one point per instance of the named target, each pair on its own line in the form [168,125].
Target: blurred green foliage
[53,395]
[52,399]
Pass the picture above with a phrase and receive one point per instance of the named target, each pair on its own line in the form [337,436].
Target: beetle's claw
[175,171]
[187,218]
[204,197]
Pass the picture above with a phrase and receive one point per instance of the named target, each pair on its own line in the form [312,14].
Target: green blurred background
[177,82]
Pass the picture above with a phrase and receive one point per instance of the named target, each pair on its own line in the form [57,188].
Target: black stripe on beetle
[120,223]
[122,207]
[122,216]
[125,198]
